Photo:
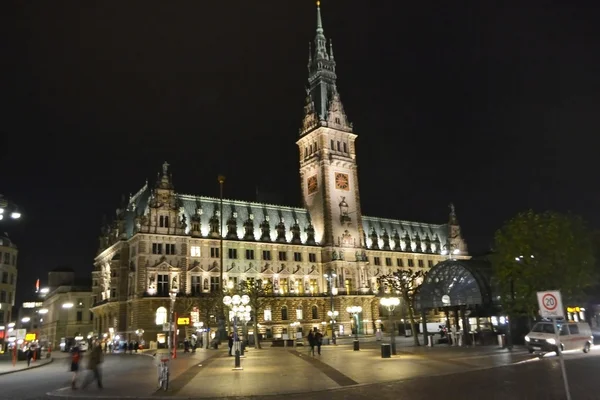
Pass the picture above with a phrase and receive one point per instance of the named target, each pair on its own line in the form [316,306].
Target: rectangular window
[345,147]
[113,293]
[297,256]
[339,147]
[156,248]
[282,256]
[91,315]
[2,317]
[195,251]
[388,261]
[249,254]
[332,145]
[299,314]
[232,253]
[4,277]
[430,263]
[399,262]
[283,286]
[214,284]
[170,248]
[196,285]
[214,252]
[421,263]
[312,257]
[574,329]
[162,285]
[267,315]
[232,283]
[266,255]
[10,298]
[14,259]
[3,296]
[7,258]
[376,261]
[79,316]
[411,263]
[314,286]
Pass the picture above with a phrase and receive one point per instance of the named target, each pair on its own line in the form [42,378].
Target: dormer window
[163,221]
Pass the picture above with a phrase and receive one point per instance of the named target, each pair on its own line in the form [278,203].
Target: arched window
[315,312]
[205,284]
[161,316]
[284,314]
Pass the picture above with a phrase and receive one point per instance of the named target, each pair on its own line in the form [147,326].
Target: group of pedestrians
[96,358]
[315,339]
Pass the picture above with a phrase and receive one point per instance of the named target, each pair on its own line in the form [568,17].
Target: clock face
[341,181]
[311,184]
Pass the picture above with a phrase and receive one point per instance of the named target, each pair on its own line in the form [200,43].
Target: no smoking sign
[550,304]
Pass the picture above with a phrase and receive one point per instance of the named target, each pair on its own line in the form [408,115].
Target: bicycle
[163,374]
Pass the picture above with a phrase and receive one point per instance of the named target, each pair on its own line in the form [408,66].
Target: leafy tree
[542,251]
[208,304]
[406,283]
[259,292]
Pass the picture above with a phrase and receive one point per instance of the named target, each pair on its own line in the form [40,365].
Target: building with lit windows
[162,240]
[8,283]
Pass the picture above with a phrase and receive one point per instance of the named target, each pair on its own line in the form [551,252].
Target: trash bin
[430,340]
[502,340]
[356,344]
[386,351]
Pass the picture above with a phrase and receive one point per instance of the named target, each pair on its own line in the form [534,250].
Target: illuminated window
[161,316]
[299,313]
[195,251]
[284,314]
[268,315]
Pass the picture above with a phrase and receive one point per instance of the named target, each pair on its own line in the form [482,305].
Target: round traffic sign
[549,302]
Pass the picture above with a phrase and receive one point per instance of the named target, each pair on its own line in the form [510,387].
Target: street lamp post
[172,332]
[239,308]
[391,303]
[222,332]
[330,276]
[355,310]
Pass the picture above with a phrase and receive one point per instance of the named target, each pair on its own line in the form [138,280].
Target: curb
[28,368]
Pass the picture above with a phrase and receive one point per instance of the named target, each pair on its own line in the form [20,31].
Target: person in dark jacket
[230,342]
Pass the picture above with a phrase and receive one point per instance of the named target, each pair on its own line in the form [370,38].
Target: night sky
[490,105]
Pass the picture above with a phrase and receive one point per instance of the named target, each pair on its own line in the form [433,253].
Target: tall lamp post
[8,209]
[172,332]
[391,303]
[222,333]
[239,308]
[330,276]
[355,310]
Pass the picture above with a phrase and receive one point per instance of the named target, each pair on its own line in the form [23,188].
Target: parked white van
[573,336]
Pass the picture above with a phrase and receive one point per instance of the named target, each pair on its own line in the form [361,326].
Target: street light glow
[25,320]
[43,311]
[67,305]
[15,215]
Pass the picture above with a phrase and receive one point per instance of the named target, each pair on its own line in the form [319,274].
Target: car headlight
[527,338]
[551,341]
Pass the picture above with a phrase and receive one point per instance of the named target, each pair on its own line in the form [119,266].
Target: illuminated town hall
[163,241]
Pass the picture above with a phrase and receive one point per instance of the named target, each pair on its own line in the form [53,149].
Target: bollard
[430,340]
[238,362]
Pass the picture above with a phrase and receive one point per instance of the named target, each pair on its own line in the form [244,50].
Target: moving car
[572,336]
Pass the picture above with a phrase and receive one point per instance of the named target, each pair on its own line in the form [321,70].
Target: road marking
[332,373]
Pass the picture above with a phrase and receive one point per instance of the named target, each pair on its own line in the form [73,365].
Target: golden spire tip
[318,3]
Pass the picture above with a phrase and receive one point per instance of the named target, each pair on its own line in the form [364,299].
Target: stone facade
[165,241]
[8,283]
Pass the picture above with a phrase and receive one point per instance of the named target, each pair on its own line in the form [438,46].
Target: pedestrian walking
[75,361]
[230,342]
[96,358]
[29,355]
[311,342]
[319,339]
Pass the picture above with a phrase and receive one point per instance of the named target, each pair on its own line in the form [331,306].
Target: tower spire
[323,100]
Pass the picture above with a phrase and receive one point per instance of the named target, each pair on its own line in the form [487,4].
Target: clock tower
[328,169]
